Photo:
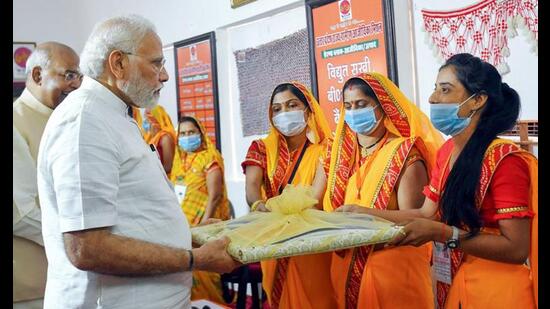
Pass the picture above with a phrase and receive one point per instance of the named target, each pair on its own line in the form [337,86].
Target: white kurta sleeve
[84,165]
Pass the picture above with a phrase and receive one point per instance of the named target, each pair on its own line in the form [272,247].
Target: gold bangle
[255,205]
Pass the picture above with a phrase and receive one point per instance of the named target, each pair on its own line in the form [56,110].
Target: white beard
[140,94]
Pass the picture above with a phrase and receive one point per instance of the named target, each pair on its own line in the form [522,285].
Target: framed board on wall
[197,82]
[348,37]
[21,52]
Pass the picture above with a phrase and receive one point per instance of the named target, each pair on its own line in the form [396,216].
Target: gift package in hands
[293,227]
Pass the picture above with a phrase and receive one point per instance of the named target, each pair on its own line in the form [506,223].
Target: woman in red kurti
[481,206]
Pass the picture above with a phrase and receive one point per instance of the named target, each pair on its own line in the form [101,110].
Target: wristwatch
[454,242]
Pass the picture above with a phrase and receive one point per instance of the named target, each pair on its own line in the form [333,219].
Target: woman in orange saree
[382,152]
[483,190]
[290,155]
[198,166]
[158,130]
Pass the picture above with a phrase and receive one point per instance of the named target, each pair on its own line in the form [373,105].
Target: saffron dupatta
[276,149]
[159,119]
[404,119]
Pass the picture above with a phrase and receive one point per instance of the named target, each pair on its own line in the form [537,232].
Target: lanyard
[295,163]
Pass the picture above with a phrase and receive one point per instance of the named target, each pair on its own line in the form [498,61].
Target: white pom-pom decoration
[535,49]
[427,38]
[503,68]
[505,51]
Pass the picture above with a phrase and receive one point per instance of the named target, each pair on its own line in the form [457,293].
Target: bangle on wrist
[255,205]
[191,260]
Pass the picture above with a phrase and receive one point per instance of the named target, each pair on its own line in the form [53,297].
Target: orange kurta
[302,281]
[508,189]
[381,272]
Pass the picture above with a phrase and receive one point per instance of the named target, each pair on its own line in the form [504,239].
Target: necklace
[360,178]
[366,148]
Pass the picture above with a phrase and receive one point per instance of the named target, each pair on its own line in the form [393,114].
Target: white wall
[403,47]
[523,75]
[52,20]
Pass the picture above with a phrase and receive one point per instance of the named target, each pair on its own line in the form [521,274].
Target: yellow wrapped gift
[293,227]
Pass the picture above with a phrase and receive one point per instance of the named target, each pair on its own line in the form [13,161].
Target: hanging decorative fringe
[482,29]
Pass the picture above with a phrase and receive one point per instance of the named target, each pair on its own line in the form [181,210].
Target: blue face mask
[361,120]
[146,125]
[189,143]
[445,117]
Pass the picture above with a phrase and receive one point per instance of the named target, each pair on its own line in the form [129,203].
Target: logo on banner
[21,55]
[193,52]
[344,6]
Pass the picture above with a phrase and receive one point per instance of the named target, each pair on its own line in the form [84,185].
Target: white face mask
[290,123]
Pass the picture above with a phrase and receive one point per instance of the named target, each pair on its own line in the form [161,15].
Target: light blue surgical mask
[290,123]
[362,120]
[445,117]
[146,125]
[190,143]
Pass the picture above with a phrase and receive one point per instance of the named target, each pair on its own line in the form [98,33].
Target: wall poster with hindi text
[346,38]
[197,89]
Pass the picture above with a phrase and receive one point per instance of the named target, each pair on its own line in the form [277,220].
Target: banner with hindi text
[348,37]
[197,90]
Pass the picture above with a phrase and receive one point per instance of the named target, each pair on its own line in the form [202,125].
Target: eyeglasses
[158,64]
[71,76]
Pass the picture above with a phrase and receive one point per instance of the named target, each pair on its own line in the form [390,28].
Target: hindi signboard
[348,37]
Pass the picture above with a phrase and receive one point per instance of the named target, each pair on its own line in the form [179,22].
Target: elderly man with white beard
[114,234]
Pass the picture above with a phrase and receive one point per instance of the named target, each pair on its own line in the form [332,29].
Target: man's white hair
[123,33]
[38,58]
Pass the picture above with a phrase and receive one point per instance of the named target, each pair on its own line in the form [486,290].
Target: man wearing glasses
[114,233]
[52,72]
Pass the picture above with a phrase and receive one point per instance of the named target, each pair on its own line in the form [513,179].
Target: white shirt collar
[29,99]
[104,93]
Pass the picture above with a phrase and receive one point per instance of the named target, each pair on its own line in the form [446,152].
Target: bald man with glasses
[52,73]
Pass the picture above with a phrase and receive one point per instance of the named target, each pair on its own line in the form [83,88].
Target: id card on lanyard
[442,262]
[180,192]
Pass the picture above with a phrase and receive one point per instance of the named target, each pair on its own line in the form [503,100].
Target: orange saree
[302,281]
[191,169]
[161,125]
[508,189]
[372,277]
